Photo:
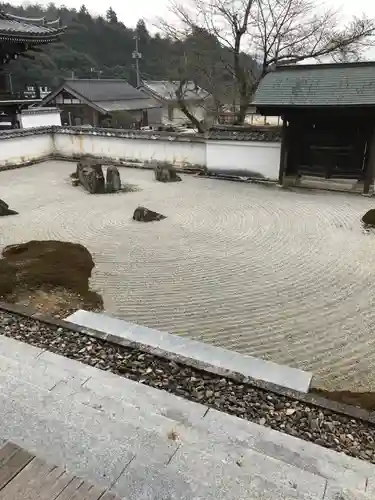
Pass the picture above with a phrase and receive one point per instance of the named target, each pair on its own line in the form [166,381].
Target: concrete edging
[308,398]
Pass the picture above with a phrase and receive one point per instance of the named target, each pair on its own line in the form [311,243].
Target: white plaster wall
[40,120]
[179,117]
[177,152]
[255,159]
[18,150]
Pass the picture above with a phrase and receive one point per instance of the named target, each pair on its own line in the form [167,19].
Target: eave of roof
[318,86]
[105,106]
[17,29]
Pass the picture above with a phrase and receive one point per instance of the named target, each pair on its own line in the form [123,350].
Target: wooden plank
[109,496]
[13,466]
[7,451]
[24,477]
[28,482]
[56,481]
[87,492]
[67,493]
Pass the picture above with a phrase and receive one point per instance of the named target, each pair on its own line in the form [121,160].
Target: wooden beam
[369,163]
[283,151]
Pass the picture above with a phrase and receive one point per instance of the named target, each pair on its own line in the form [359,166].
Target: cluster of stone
[166,173]
[89,174]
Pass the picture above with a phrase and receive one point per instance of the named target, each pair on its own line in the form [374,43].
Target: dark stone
[5,210]
[143,214]
[113,180]
[91,177]
[166,173]
[369,218]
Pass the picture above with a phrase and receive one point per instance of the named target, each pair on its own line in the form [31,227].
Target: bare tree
[261,34]
[192,83]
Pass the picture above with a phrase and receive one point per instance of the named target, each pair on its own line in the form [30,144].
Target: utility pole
[137,56]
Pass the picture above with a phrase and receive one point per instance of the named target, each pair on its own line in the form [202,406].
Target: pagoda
[18,35]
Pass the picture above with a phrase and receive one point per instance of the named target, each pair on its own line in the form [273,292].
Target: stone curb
[309,398]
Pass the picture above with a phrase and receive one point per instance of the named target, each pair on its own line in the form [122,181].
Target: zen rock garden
[89,175]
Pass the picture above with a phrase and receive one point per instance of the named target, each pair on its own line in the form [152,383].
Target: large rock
[143,214]
[48,264]
[166,173]
[369,218]
[113,180]
[90,176]
[5,210]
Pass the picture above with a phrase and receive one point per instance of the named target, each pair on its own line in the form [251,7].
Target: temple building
[18,35]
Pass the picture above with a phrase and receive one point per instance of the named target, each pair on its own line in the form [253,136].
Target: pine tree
[111,16]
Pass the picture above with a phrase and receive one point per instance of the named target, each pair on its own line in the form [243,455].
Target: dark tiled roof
[350,84]
[17,29]
[265,135]
[105,90]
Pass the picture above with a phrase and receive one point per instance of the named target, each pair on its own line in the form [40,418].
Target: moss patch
[50,272]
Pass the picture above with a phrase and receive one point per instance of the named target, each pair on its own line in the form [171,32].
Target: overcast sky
[129,11]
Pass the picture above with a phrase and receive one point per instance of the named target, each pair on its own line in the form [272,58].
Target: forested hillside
[97,46]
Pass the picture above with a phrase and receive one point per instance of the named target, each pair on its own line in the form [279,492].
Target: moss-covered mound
[47,265]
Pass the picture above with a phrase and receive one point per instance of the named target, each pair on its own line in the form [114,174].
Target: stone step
[198,354]
[144,479]
[32,421]
[45,411]
[123,421]
[220,429]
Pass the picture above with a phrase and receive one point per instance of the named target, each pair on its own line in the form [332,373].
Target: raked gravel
[323,427]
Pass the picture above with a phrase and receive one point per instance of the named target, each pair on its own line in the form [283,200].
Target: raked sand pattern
[283,275]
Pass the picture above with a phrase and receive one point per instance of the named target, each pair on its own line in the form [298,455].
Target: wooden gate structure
[328,113]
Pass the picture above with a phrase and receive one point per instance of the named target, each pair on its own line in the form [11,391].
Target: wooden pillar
[369,163]
[283,151]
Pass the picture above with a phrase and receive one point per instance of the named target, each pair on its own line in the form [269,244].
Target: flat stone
[206,355]
[95,457]
[139,415]
[346,471]
[148,398]
[45,378]
[154,481]
[148,480]
[18,351]
[333,492]
[235,461]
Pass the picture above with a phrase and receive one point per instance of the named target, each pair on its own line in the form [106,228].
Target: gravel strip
[323,427]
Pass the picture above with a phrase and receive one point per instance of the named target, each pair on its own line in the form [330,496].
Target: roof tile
[350,84]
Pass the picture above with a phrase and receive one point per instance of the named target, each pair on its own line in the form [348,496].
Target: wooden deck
[25,477]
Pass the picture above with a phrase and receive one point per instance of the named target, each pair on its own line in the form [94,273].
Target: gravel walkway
[323,427]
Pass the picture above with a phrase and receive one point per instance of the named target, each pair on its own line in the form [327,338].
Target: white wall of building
[230,157]
[39,117]
[24,148]
[138,150]
[161,116]
[252,159]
